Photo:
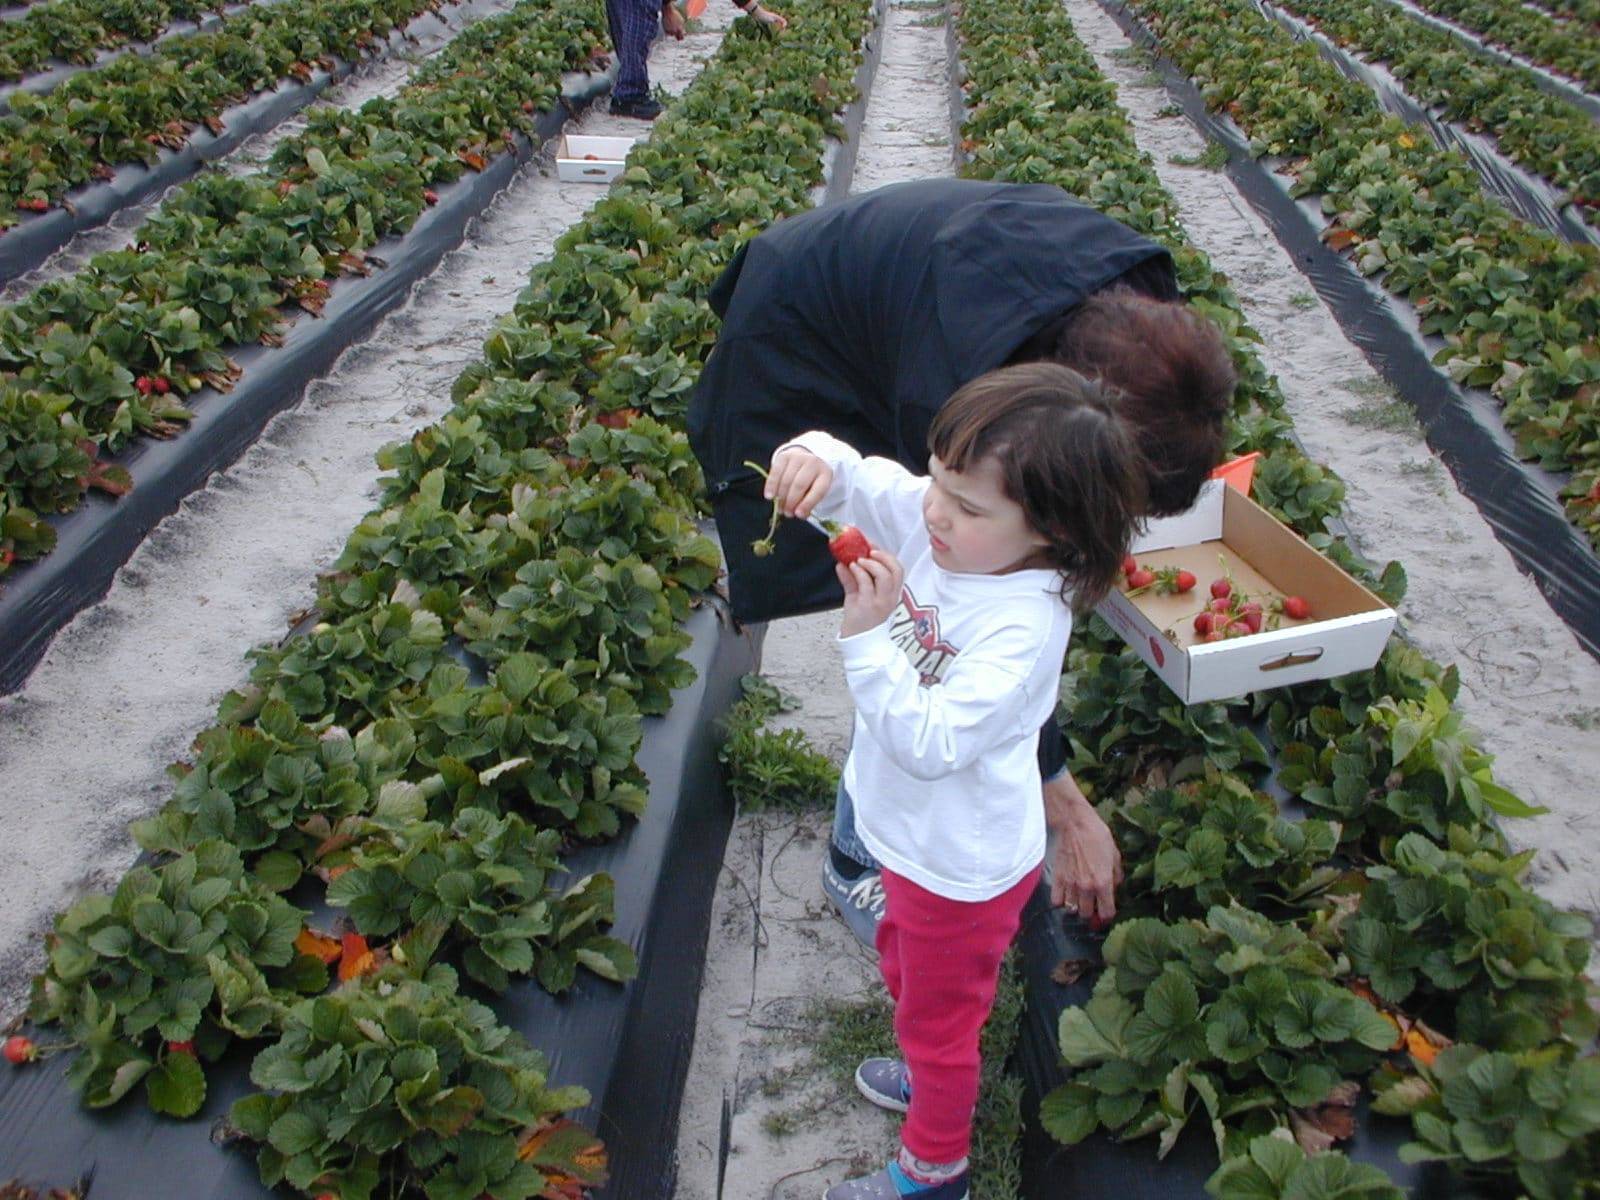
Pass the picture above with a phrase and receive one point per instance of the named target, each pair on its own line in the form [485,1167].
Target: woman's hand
[672,21]
[871,591]
[1086,865]
[776,20]
[798,480]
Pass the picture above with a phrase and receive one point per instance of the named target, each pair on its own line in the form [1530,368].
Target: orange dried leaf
[1340,238]
[1424,1044]
[309,941]
[355,958]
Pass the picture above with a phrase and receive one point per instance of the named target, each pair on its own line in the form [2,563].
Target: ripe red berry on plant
[19,1050]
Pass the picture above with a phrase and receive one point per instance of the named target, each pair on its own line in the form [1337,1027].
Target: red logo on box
[1158,653]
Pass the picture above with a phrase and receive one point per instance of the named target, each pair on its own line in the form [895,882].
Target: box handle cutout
[1295,658]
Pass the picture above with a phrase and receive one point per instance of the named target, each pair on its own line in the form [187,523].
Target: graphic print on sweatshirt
[915,630]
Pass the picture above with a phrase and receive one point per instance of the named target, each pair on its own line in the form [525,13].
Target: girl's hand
[798,480]
[776,20]
[871,591]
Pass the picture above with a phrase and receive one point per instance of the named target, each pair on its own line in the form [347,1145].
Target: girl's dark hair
[1171,376]
[1065,456]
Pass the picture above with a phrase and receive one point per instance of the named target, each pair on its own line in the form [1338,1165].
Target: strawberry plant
[278,789]
[487,881]
[1233,1014]
[1275,1168]
[1528,1122]
[1213,841]
[191,951]
[397,1084]
[1455,936]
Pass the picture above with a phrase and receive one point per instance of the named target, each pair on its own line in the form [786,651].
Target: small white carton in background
[585,158]
[1227,533]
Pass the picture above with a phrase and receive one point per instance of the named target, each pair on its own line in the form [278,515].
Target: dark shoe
[645,108]
[860,901]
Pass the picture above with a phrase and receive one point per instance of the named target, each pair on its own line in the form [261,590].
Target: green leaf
[177,1085]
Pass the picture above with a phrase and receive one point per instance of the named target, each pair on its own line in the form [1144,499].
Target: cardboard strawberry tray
[1227,536]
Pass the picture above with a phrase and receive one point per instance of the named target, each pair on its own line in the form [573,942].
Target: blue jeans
[845,839]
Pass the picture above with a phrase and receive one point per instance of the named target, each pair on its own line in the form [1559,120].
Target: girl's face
[974,528]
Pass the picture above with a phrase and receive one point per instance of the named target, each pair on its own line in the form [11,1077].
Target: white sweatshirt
[950,693]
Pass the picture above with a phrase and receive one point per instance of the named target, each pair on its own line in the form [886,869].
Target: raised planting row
[1569,47]
[1537,130]
[76,31]
[1274,972]
[112,352]
[1519,309]
[545,531]
[130,109]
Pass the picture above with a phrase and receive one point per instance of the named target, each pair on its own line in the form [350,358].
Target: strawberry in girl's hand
[19,1050]
[848,545]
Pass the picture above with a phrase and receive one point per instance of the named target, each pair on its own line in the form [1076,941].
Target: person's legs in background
[634,25]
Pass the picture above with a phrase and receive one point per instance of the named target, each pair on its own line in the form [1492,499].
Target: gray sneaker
[859,901]
[882,1185]
[886,1082]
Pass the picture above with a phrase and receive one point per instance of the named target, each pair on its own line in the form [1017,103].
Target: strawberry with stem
[845,542]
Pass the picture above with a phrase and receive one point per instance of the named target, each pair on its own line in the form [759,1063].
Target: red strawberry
[1184,581]
[1141,578]
[1130,564]
[1251,620]
[1216,635]
[1221,588]
[144,385]
[1296,607]
[19,1050]
[181,1048]
[1202,623]
[161,384]
[848,545]
[429,196]
[1221,605]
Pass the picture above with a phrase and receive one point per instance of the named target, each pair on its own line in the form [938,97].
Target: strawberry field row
[111,353]
[1519,310]
[1569,47]
[545,530]
[135,105]
[76,30]
[1537,130]
[1265,965]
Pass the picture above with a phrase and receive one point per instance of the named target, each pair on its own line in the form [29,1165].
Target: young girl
[953,660]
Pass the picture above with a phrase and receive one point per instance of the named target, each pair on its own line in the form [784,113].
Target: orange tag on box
[1238,473]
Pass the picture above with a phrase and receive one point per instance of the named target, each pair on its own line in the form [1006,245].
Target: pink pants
[941,961]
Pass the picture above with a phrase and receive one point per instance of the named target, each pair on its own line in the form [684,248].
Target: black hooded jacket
[861,319]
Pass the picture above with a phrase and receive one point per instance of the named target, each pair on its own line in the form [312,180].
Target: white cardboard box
[1228,532]
[574,165]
